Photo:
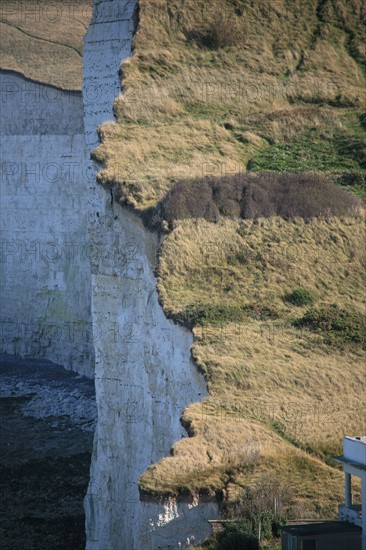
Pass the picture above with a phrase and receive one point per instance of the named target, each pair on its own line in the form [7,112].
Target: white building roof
[354,451]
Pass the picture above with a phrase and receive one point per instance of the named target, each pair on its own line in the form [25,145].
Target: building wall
[336,541]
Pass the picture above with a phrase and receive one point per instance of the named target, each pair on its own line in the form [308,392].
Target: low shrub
[339,327]
[211,314]
[251,196]
[261,509]
[257,503]
[299,297]
[355,181]
[203,314]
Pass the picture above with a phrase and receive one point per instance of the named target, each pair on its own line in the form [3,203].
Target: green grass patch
[342,152]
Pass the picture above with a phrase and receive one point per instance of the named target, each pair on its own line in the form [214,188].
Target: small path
[39,38]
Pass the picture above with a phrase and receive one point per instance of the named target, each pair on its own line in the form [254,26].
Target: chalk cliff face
[144,374]
[79,289]
[45,256]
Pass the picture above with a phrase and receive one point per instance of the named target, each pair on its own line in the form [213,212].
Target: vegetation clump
[353,180]
[339,326]
[299,297]
[194,315]
[256,516]
[252,196]
[201,314]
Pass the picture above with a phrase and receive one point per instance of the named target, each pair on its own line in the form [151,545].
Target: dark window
[308,544]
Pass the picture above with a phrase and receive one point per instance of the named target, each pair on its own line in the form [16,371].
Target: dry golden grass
[43,40]
[230,452]
[170,154]
[256,261]
[263,81]
[280,399]
[270,373]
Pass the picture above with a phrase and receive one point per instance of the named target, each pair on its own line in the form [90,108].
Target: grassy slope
[283,390]
[43,40]
[284,84]
[280,84]
[285,92]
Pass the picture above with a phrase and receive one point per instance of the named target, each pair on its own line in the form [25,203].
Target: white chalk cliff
[45,289]
[106,296]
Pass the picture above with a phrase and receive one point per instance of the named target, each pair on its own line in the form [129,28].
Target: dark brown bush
[249,195]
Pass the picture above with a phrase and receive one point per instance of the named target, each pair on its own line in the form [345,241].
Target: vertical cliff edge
[144,373]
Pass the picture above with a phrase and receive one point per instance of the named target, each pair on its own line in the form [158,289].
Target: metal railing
[352,515]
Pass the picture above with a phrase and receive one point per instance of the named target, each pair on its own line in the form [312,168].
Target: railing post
[347,490]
